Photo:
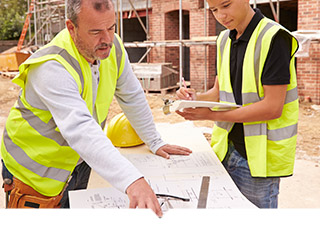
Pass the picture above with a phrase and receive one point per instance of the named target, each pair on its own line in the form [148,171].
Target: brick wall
[197,53]
[172,33]
[308,69]
[164,25]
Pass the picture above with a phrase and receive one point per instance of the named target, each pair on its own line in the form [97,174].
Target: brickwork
[308,69]
[197,53]
[172,33]
[164,25]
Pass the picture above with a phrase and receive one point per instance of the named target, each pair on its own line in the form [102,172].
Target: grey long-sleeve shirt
[50,87]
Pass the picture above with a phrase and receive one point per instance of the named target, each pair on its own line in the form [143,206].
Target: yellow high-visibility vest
[32,147]
[270,145]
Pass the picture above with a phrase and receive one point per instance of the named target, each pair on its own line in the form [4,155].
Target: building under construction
[182,34]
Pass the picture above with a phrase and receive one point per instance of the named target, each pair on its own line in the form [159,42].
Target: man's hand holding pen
[186,93]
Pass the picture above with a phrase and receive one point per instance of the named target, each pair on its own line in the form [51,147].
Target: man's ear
[71,27]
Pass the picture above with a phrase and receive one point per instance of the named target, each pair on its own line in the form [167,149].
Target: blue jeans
[263,192]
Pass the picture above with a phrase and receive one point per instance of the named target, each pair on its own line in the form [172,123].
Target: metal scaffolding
[276,14]
[205,40]
[49,18]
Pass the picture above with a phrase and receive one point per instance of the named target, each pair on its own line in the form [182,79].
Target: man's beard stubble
[85,50]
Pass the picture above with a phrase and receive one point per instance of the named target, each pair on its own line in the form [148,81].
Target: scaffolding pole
[65,10]
[209,40]
[35,24]
[139,19]
[121,22]
[274,13]
[30,20]
[205,46]
[147,25]
[180,43]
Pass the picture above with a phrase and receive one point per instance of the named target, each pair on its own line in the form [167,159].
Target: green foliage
[12,17]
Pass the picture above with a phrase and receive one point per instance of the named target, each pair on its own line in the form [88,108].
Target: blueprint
[194,164]
[179,176]
[225,196]
[97,198]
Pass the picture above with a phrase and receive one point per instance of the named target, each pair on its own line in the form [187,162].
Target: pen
[184,82]
[185,86]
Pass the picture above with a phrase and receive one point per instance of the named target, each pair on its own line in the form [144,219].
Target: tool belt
[24,196]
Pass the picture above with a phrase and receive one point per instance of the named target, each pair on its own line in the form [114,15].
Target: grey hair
[74,8]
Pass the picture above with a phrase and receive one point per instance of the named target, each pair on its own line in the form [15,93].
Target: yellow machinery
[10,61]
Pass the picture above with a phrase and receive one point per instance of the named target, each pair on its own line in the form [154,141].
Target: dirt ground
[299,191]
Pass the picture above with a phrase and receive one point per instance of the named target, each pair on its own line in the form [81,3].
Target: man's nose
[106,37]
[221,15]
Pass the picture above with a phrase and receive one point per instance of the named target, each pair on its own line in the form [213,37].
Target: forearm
[132,101]
[211,95]
[270,107]
[256,112]
[140,116]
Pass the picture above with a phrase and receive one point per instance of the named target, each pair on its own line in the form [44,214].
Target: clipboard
[215,106]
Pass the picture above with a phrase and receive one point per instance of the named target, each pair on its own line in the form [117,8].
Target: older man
[54,132]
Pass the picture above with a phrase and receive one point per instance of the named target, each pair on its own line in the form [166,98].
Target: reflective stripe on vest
[273,135]
[23,159]
[223,43]
[119,57]
[261,129]
[65,55]
[118,52]
[41,126]
[291,96]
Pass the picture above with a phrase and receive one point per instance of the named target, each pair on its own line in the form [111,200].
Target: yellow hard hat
[121,133]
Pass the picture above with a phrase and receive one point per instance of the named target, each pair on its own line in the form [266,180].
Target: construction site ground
[302,190]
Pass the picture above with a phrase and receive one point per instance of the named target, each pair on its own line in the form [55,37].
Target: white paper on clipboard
[215,106]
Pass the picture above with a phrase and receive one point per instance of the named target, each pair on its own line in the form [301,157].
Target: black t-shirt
[276,70]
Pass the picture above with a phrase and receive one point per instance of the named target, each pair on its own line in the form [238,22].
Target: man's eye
[226,6]
[94,33]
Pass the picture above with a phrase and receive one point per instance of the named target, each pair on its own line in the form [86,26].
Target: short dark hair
[74,8]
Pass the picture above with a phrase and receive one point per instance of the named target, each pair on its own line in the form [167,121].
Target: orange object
[11,61]
[25,26]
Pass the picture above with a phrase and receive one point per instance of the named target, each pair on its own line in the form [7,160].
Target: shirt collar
[95,64]
[250,28]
